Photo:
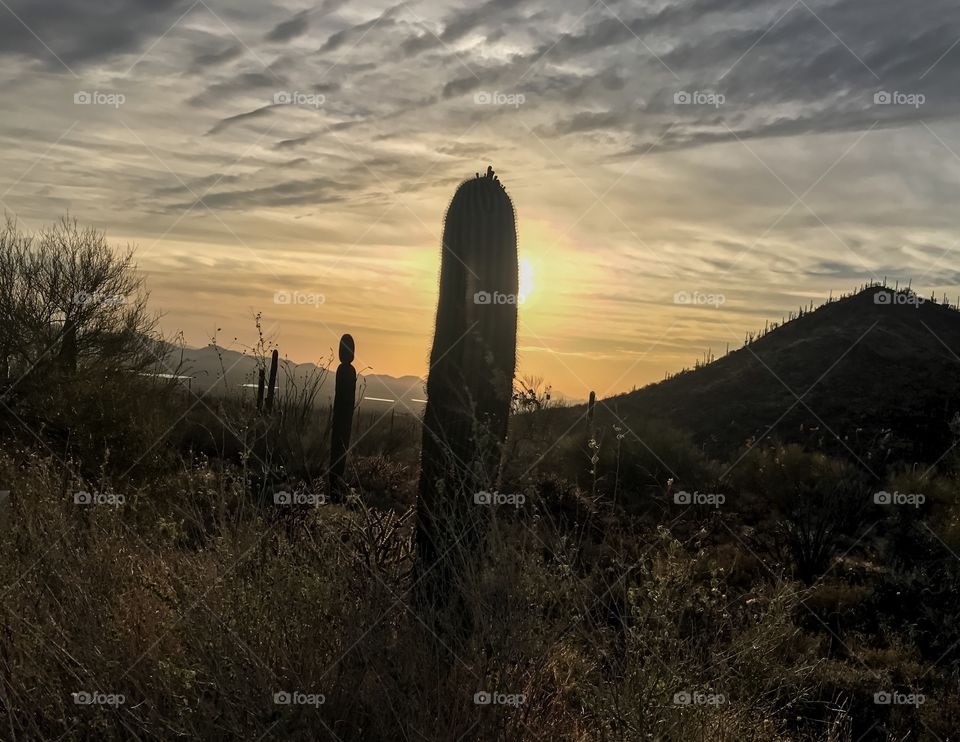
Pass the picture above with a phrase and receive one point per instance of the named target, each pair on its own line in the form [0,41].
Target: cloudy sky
[750,155]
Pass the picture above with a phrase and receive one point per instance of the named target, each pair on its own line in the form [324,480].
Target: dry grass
[594,604]
[199,608]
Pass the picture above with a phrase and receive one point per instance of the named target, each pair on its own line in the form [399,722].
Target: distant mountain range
[873,374]
[218,370]
[868,376]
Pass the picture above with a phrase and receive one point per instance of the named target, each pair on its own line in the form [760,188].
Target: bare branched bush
[79,349]
[67,297]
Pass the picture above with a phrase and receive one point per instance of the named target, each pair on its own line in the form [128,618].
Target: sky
[681,171]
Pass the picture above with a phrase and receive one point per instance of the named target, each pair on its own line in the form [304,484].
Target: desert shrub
[78,349]
[629,462]
[814,503]
[384,483]
[68,299]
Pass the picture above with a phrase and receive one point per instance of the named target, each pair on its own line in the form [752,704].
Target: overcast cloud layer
[768,152]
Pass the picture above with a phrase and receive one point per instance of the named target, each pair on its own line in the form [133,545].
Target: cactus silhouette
[343,402]
[272,383]
[68,345]
[260,383]
[591,409]
[470,381]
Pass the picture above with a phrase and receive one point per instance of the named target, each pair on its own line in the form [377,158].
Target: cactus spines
[260,383]
[343,402]
[272,382]
[470,381]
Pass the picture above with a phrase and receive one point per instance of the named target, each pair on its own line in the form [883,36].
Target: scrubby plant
[817,503]
[343,402]
[470,382]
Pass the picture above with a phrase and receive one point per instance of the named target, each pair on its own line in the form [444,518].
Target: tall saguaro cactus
[343,403]
[470,381]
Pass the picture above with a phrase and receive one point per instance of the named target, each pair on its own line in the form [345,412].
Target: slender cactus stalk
[68,345]
[272,385]
[260,384]
[591,409]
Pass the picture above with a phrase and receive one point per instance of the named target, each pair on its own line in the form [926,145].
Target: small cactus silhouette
[68,345]
[260,384]
[470,382]
[591,409]
[343,402]
[272,383]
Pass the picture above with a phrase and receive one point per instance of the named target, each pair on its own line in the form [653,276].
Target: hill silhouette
[872,376]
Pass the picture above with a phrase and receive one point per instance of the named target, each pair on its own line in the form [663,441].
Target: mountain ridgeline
[218,370]
[874,376]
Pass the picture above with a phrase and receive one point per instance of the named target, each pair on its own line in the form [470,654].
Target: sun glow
[526,278]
